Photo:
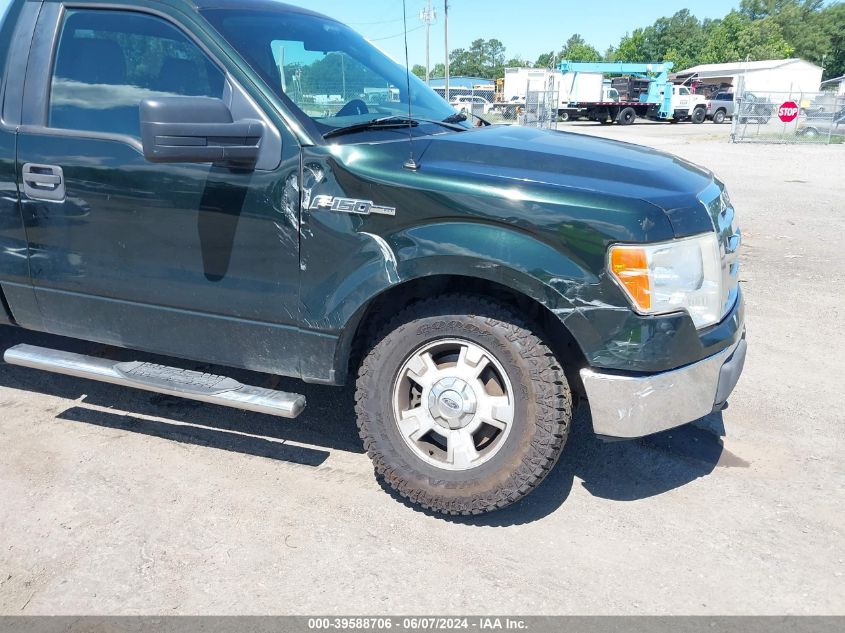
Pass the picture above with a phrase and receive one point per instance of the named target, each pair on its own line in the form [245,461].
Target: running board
[182,383]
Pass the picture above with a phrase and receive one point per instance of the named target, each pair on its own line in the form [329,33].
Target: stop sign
[788,111]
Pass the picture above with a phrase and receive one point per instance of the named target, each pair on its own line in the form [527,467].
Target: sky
[526,28]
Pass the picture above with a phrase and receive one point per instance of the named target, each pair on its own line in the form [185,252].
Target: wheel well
[378,312]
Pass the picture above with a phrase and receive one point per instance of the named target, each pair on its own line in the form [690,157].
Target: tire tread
[553,397]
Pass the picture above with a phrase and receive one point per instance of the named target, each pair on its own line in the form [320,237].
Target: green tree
[419,71]
[813,30]
[546,60]
[517,62]
[576,49]
[763,39]
[759,9]
[633,47]
[738,37]
[834,20]
[722,40]
[484,58]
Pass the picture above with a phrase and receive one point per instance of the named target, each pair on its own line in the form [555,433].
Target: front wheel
[461,407]
[698,116]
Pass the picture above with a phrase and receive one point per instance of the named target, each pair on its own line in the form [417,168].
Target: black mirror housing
[198,130]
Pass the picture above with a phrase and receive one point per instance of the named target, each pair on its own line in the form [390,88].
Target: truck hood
[530,158]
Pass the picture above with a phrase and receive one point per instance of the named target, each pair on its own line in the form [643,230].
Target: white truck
[655,97]
[568,88]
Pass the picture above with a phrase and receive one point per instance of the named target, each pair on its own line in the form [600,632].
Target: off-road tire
[542,402]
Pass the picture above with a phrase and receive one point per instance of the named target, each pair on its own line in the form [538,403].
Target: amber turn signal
[629,264]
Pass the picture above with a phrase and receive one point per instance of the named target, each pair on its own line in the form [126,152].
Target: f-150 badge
[350,205]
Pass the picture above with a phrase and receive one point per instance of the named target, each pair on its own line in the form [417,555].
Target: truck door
[681,98]
[190,260]
[15,290]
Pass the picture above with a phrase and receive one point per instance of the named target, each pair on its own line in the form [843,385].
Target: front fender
[490,252]
[609,334]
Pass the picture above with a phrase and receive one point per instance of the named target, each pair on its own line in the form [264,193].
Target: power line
[373,23]
[390,37]
[428,15]
[446,42]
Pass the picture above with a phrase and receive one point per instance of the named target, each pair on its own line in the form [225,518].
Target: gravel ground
[114,501]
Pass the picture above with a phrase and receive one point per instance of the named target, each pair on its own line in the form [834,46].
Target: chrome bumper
[633,406]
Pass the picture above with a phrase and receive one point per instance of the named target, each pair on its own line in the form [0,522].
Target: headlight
[683,274]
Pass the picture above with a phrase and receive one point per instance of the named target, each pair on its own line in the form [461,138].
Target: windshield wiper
[392,121]
[388,121]
[460,117]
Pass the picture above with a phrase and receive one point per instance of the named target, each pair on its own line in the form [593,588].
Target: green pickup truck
[254,185]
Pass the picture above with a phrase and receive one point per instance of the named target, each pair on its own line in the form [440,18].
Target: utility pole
[446,39]
[428,15]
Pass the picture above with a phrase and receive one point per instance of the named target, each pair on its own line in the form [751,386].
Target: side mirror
[198,130]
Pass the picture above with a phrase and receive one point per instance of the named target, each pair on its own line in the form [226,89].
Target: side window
[108,61]
[683,91]
[319,82]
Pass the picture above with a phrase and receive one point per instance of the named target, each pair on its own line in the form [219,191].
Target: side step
[183,383]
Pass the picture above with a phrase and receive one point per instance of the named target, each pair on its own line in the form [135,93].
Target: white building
[772,75]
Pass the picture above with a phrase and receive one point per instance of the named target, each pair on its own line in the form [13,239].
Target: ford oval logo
[451,404]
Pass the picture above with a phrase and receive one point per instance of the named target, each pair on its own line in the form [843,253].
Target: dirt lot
[118,501]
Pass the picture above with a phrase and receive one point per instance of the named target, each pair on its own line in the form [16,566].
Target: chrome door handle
[43,182]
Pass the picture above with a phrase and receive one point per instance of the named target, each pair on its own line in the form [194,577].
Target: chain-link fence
[538,109]
[788,117]
[483,102]
[541,109]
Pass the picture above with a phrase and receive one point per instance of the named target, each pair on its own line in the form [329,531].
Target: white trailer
[568,87]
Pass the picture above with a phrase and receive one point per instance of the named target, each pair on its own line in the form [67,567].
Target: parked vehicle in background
[825,102]
[822,124]
[645,92]
[468,103]
[753,108]
[750,109]
[518,83]
[511,108]
[721,106]
[687,106]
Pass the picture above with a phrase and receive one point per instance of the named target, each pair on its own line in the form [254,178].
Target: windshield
[329,72]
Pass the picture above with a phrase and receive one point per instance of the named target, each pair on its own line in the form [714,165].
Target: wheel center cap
[452,402]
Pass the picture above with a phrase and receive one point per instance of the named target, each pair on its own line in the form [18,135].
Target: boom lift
[663,101]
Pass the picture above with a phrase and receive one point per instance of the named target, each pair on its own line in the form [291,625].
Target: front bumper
[633,406]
